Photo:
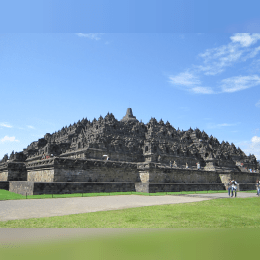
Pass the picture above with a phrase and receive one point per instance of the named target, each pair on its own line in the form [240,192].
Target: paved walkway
[37,208]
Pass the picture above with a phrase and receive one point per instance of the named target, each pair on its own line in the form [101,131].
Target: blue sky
[209,81]
[182,61]
[132,16]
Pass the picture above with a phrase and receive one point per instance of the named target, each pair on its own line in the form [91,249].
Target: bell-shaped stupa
[129,116]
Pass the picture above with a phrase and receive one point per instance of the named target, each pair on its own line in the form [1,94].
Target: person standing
[229,187]
[198,166]
[234,188]
[257,187]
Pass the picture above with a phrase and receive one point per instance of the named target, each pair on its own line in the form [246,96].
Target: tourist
[187,166]
[229,187]
[234,188]
[198,166]
[106,156]
[257,187]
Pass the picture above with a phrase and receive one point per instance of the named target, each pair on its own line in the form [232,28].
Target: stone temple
[108,155]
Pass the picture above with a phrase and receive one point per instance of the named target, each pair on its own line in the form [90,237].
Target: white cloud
[92,36]
[10,139]
[238,83]
[216,60]
[257,104]
[191,82]
[254,67]
[5,125]
[31,127]
[225,124]
[245,39]
[212,125]
[203,90]
[255,139]
[253,147]
[252,54]
[185,79]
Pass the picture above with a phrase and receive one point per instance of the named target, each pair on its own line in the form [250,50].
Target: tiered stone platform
[68,175]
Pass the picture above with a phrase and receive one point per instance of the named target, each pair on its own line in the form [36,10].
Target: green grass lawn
[6,195]
[216,213]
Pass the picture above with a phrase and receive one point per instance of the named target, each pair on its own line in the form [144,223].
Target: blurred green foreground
[166,244]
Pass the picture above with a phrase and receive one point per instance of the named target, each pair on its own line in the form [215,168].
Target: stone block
[21,187]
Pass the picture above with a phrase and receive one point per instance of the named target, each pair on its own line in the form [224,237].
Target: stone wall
[96,174]
[142,177]
[4,175]
[81,187]
[171,175]
[22,187]
[247,186]
[13,171]
[249,177]
[225,178]
[82,170]
[142,187]
[176,187]
[153,173]
[41,175]
[94,171]
[38,188]
[17,172]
